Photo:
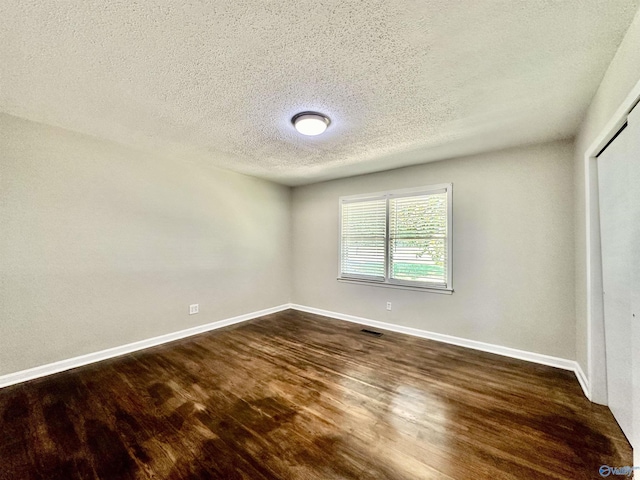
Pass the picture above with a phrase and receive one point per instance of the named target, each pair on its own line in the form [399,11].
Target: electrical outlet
[193,309]
[388,305]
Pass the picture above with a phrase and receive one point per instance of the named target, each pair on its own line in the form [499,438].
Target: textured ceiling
[404,82]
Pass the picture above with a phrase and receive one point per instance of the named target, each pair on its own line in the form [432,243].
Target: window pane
[363,238]
[363,256]
[418,238]
[419,260]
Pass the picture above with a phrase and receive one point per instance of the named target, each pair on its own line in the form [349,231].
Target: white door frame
[596,360]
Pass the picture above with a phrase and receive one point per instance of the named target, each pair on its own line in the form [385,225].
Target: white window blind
[363,239]
[418,239]
[398,238]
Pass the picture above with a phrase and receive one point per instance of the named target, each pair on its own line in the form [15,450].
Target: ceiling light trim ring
[316,117]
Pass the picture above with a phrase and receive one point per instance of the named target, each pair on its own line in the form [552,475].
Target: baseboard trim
[75,362]
[539,358]
[62,365]
[583,380]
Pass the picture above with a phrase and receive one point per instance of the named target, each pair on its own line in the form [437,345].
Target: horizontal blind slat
[418,238]
[363,232]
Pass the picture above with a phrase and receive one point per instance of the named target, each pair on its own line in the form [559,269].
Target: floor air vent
[371,332]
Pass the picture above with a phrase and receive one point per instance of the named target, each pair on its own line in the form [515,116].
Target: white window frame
[389,282]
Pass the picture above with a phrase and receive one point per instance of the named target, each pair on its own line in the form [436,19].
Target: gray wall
[513,262]
[621,76]
[102,245]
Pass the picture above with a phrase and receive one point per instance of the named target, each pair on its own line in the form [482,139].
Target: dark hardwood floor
[298,396]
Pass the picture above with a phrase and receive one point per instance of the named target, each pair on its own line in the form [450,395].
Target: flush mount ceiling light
[310,123]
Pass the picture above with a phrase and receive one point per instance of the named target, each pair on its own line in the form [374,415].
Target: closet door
[634,214]
[616,238]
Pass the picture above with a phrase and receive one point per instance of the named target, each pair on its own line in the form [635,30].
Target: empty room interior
[319,240]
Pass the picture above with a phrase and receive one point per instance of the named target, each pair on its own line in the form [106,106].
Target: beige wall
[621,77]
[513,263]
[102,245]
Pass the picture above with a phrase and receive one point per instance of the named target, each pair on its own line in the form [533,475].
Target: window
[398,238]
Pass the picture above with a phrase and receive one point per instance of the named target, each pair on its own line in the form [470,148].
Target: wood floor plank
[298,396]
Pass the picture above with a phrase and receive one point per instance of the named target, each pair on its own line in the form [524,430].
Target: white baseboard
[62,365]
[583,380]
[556,362]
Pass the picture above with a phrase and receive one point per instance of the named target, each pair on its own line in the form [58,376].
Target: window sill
[441,291]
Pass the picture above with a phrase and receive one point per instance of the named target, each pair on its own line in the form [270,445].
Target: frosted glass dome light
[310,123]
